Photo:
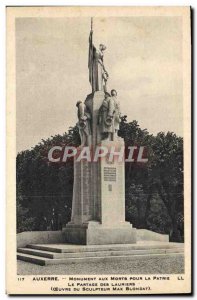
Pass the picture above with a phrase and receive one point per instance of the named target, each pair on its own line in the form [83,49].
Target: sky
[143,59]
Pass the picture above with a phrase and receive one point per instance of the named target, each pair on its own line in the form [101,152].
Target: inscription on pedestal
[109,174]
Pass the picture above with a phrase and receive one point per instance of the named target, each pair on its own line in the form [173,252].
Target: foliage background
[154,191]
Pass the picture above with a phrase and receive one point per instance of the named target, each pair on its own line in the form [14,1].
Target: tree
[161,178]
[168,168]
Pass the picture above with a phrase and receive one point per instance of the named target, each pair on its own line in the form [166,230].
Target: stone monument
[98,207]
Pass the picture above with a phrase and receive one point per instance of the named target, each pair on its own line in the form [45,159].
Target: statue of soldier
[84,124]
[109,116]
[117,113]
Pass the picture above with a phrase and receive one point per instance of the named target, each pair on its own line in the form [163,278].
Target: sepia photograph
[99,148]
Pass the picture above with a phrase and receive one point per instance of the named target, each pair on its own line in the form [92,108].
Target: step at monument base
[69,254]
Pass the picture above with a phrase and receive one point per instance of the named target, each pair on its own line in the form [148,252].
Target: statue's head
[113,93]
[102,47]
[78,102]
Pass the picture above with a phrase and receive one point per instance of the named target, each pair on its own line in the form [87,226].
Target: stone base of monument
[95,233]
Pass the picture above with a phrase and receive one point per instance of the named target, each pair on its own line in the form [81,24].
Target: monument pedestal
[98,207]
[95,233]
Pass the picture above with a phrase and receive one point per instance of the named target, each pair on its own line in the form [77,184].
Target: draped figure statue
[98,75]
[84,124]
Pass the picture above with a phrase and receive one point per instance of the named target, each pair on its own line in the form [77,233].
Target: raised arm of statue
[91,58]
[91,37]
[91,32]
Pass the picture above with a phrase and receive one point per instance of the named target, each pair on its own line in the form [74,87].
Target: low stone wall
[56,237]
[39,237]
[148,235]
